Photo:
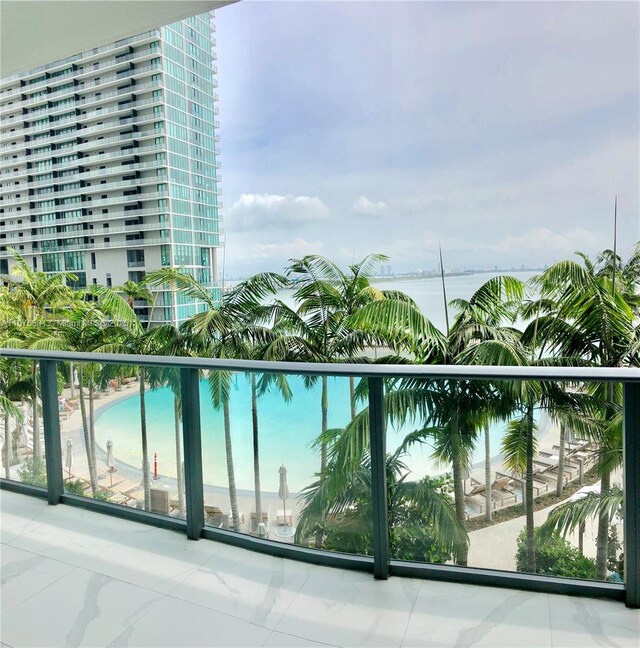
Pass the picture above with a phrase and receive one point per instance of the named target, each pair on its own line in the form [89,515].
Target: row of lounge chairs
[508,489]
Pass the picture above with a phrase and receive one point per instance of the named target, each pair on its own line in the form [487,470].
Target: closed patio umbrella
[283,494]
[111,464]
[68,457]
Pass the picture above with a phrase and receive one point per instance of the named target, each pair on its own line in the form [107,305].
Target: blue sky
[502,130]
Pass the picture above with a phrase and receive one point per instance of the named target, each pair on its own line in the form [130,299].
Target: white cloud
[296,248]
[275,252]
[543,239]
[365,207]
[274,212]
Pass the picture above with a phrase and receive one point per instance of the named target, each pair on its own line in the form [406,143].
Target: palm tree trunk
[146,485]
[93,477]
[352,396]
[531,547]
[179,477]
[7,447]
[233,495]
[602,541]
[92,427]
[561,453]
[325,407]
[487,473]
[34,412]
[256,449]
[458,484]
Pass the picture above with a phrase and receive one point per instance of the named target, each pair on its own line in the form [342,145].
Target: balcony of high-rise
[156,489]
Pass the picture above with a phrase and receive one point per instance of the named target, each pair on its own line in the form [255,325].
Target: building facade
[109,163]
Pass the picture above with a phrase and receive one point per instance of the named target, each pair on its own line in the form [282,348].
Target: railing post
[631,475]
[192,441]
[378,447]
[51,425]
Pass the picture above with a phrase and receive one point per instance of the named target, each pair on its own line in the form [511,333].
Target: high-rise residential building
[109,159]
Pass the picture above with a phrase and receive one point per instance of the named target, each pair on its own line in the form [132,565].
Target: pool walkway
[72,577]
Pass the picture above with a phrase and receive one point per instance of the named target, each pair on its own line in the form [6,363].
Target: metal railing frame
[380,564]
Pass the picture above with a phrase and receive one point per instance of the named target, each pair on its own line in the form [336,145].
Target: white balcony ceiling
[36,32]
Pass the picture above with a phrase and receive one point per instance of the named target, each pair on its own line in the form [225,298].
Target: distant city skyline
[502,131]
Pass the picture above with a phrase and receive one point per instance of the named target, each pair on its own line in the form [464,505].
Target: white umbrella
[111,464]
[283,494]
[68,458]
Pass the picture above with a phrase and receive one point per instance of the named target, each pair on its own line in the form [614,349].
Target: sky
[502,131]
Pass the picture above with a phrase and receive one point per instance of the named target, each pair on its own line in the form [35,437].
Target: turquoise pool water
[287,432]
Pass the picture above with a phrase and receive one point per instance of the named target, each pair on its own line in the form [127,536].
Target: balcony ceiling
[38,32]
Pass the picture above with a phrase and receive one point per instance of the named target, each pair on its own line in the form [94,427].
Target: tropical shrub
[33,471]
[555,557]
[74,487]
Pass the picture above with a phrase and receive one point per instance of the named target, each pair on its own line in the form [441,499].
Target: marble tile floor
[76,578]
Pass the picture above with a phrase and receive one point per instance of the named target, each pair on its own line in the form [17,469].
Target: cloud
[365,207]
[543,239]
[274,212]
[296,248]
[249,256]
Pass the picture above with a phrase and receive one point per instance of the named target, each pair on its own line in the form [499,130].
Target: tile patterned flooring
[76,578]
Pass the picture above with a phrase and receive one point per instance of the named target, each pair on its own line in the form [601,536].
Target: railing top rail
[460,372]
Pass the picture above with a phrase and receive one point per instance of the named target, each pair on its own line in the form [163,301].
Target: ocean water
[427,293]
[287,430]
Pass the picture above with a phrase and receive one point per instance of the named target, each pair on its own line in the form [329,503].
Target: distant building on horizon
[109,163]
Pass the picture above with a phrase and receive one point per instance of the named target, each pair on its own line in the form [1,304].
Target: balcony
[156,589]
[193,500]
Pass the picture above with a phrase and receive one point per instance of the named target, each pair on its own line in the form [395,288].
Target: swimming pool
[287,433]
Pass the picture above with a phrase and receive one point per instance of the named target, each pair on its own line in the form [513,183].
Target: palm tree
[100,320]
[135,291]
[126,334]
[35,297]
[259,387]
[592,318]
[448,412]
[317,330]
[15,384]
[224,330]
[421,519]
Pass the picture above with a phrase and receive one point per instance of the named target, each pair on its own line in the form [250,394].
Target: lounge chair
[284,517]
[215,517]
[539,485]
[501,491]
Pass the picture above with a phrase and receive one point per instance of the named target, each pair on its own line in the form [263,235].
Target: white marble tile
[80,609]
[20,513]
[175,623]
[245,584]
[153,558]
[448,614]
[67,544]
[23,574]
[351,609]
[581,621]
[281,640]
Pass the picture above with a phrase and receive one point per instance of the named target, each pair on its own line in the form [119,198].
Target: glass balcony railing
[376,467]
